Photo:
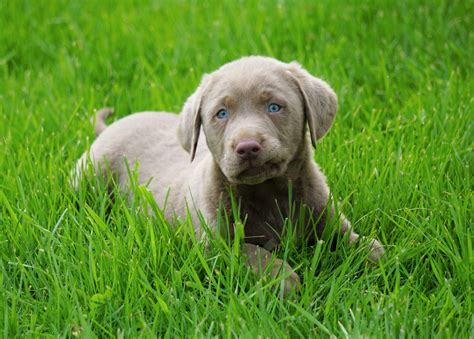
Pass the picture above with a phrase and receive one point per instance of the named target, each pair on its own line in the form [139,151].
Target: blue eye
[222,114]
[273,108]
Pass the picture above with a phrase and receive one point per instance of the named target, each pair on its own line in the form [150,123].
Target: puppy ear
[320,101]
[190,119]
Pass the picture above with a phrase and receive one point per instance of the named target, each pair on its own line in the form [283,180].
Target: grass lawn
[398,159]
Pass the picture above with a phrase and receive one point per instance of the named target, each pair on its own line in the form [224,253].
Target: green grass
[399,159]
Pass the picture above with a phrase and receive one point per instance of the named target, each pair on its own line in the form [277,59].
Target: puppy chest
[270,220]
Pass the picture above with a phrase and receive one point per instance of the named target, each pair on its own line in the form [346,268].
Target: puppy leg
[376,248]
[260,260]
[76,173]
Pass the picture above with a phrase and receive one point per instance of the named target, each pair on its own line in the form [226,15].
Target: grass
[399,159]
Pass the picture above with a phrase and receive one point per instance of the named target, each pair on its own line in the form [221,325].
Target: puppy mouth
[254,174]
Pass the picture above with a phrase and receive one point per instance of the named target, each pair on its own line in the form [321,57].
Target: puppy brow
[229,101]
[265,95]
[269,92]
[271,95]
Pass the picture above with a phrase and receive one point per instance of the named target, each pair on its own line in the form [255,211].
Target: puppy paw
[376,250]
[263,263]
[291,283]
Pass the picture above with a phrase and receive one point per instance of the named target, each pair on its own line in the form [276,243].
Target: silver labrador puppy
[254,113]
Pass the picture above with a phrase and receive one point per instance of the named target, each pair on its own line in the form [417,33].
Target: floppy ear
[190,119]
[320,101]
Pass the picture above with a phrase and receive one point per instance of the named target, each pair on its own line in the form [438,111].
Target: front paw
[264,263]
[376,250]
[290,284]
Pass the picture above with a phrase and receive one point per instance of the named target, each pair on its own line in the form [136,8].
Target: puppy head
[254,113]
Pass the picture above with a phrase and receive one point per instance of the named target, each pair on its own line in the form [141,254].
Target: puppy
[242,135]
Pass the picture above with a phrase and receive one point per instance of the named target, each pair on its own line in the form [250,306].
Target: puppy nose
[248,149]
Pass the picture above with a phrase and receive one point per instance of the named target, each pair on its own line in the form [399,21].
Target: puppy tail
[100,117]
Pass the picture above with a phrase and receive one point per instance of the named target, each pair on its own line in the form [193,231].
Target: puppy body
[245,129]
[148,141]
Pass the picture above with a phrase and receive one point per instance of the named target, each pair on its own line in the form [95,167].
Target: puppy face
[253,112]
[253,118]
